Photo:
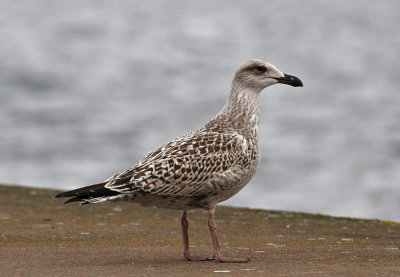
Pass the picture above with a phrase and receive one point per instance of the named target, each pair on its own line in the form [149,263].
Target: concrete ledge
[39,236]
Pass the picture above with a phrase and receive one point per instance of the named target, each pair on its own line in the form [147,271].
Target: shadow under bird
[203,167]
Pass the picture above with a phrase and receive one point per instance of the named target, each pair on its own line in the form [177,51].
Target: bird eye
[261,68]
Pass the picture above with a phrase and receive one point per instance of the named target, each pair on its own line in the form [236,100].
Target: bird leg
[186,252]
[217,253]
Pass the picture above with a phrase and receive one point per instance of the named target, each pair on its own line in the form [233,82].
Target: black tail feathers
[85,193]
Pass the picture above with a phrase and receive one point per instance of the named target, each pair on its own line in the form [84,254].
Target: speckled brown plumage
[203,167]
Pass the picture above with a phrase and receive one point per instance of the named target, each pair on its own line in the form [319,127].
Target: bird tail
[90,194]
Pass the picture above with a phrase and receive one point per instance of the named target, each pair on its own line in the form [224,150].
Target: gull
[203,167]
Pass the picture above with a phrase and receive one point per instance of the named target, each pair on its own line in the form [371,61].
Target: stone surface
[39,236]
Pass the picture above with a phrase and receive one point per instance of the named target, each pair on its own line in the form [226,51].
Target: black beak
[290,80]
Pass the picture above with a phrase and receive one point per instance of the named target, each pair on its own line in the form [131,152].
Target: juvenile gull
[200,168]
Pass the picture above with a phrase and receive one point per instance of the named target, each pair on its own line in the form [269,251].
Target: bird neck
[242,109]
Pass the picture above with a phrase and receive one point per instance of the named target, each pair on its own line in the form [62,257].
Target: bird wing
[183,166]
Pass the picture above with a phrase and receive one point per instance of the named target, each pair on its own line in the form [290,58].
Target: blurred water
[88,87]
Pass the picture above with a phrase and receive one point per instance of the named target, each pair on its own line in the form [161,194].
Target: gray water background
[89,87]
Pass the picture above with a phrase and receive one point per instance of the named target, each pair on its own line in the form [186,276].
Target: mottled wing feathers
[182,166]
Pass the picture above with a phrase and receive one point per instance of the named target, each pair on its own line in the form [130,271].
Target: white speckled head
[258,74]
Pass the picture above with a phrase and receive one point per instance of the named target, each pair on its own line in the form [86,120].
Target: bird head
[257,75]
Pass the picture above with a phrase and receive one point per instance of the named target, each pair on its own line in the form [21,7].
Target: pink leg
[217,253]
[186,252]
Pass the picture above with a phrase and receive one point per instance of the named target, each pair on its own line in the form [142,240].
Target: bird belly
[174,202]
[232,182]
